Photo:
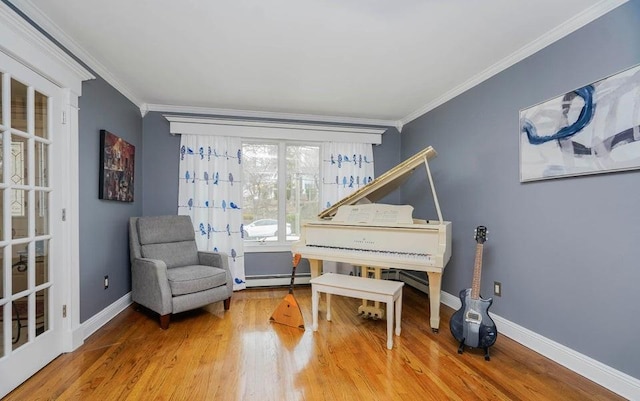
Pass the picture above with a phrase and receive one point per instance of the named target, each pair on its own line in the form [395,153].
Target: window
[281,188]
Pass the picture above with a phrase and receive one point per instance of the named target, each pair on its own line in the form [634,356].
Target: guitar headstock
[481,234]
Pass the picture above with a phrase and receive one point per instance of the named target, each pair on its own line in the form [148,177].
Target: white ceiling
[383,62]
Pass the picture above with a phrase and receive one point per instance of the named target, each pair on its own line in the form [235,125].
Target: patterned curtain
[345,168]
[210,191]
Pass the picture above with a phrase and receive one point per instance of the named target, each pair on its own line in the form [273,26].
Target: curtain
[346,167]
[210,191]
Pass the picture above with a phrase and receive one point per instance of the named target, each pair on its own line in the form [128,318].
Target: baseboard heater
[276,280]
[280,280]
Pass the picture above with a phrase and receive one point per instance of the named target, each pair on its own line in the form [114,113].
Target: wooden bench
[389,292]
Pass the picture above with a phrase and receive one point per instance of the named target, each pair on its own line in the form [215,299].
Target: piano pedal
[370,312]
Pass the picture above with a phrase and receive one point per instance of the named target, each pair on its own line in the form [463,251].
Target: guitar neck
[477,272]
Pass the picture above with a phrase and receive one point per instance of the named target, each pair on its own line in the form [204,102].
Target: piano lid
[384,184]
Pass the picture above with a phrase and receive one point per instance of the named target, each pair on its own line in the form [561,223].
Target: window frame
[281,244]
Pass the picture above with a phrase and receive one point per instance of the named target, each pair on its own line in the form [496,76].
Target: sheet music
[374,214]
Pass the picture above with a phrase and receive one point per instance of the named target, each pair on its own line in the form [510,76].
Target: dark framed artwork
[116,167]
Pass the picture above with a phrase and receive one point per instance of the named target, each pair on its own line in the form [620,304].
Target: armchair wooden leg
[227,303]
[164,321]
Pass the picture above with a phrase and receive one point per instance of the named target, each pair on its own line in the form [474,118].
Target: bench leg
[390,323]
[398,313]
[315,300]
[328,307]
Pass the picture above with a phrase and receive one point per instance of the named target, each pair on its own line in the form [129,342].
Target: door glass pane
[20,322]
[19,216]
[42,212]
[1,101]
[260,188]
[2,315]
[4,236]
[42,164]
[42,262]
[1,279]
[18,105]
[303,187]
[42,309]
[19,268]
[41,115]
[19,159]
[1,155]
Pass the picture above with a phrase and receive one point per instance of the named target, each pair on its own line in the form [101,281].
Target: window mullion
[282,190]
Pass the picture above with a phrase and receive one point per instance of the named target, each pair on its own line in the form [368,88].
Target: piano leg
[435,281]
[315,265]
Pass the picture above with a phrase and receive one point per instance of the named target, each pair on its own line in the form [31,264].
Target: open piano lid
[383,185]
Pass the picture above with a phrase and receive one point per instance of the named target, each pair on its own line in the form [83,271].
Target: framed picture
[593,129]
[116,168]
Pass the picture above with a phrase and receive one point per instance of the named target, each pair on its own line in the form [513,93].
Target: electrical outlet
[497,288]
[106,282]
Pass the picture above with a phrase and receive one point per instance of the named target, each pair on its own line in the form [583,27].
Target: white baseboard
[606,376]
[103,317]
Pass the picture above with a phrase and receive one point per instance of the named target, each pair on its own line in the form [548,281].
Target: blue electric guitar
[471,325]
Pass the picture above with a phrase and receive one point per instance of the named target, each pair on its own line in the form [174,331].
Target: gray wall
[104,247]
[160,160]
[565,250]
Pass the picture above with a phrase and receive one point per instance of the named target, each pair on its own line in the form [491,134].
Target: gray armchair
[168,273]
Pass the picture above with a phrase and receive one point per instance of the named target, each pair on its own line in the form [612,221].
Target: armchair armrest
[217,259]
[150,286]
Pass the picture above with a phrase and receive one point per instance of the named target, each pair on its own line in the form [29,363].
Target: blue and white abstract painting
[593,129]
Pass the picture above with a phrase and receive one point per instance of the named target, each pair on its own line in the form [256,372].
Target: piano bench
[370,289]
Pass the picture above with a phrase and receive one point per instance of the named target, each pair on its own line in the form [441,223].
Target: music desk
[389,292]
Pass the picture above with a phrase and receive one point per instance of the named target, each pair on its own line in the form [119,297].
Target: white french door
[31,332]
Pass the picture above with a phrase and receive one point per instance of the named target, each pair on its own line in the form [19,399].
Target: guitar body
[288,312]
[471,325]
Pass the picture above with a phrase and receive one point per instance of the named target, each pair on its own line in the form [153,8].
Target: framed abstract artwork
[116,168]
[590,130]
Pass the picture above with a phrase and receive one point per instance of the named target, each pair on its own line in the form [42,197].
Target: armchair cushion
[172,253]
[160,229]
[195,278]
[171,240]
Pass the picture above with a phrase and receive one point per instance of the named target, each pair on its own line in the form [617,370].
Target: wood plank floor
[239,355]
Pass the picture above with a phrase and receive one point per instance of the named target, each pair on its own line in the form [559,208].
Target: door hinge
[64,214]
[64,117]
[64,310]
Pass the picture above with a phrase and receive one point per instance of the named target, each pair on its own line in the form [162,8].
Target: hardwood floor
[239,355]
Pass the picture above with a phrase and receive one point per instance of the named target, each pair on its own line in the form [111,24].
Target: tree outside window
[281,185]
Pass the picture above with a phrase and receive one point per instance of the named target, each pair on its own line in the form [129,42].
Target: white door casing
[30,58]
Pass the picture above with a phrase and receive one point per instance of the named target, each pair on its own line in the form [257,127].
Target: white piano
[376,236]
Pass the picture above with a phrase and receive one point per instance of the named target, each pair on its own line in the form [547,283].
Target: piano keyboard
[387,259]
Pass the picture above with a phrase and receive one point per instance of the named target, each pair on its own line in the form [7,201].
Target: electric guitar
[471,325]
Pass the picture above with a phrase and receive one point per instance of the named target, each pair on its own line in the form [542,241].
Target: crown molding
[268,115]
[254,129]
[45,23]
[30,47]
[572,25]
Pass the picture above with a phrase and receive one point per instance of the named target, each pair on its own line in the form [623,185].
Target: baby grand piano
[374,236]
